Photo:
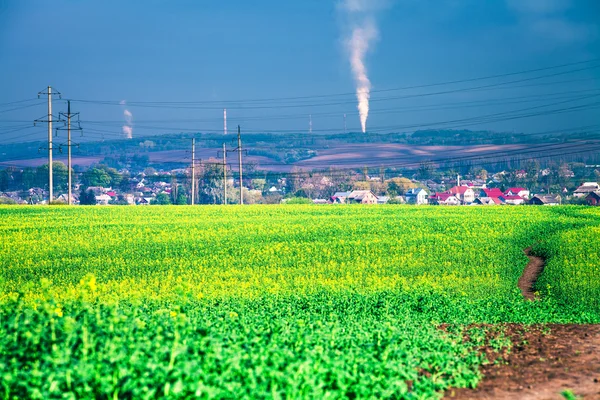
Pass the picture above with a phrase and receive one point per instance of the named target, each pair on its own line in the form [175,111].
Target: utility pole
[224,175]
[239,149]
[225,121]
[69,145]
[49,121]
[193,170]
[309,123]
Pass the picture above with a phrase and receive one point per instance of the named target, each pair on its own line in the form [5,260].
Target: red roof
[111,194]
[495,192]
[441,196]
[459,189]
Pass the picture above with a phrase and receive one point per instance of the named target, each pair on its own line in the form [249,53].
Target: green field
[276,301]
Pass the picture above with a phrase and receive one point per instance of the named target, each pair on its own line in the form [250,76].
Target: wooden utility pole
[69,116]
[193,170]
[49,121]
[224,175]
[70,201]
[50,166]
[239,149]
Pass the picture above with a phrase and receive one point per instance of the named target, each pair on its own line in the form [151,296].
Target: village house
[416,196]
[512,200]
[103,199]
[518,191]
[593,199]
[463,193]
[545,200]
[487,201]
[339,197]
[144,201]
[445,199]
[495,192]
[65,198]
[362,197]
[383,199]
[586,189]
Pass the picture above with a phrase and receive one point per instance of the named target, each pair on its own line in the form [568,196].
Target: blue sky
[214,51]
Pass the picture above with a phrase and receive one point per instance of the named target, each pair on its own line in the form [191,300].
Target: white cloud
[539,6]
[546,19]
[362,6]
[562,30]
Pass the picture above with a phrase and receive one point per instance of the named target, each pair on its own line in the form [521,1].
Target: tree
[181,199]
[361,185]
[60,175]
[4,180]
[399,186]
[115,176]
[162,199]
[96,177]
[28,178]
[426,171]
[7,201]
[298,200]
[87,198]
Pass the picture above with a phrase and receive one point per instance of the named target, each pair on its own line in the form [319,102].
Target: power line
[372,91]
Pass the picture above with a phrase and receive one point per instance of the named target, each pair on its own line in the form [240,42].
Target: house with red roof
[463,193]
[488,201]
[518,191]
[513,200]
[495,192]
[445,199]
[593,199]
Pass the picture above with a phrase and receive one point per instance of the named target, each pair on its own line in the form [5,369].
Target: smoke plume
[358,46]
[128,127]
[363,32]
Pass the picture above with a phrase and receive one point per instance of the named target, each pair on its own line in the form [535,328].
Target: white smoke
[363,33]
[358,46]
[128,127]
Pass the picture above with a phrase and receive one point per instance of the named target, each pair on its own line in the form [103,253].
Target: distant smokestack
[225,121]
[345,128]
[309,123]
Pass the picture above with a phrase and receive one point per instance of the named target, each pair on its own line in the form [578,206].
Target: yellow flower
[233,314]
[173,314]
[58,311]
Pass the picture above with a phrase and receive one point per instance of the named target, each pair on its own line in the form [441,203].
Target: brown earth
[532,271]
[544,361]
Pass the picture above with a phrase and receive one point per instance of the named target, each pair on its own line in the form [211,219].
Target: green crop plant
[276,302]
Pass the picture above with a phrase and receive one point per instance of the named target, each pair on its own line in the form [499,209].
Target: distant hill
[283,151]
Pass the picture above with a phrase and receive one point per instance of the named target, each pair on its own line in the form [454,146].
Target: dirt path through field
[532,271]
[543,364]
[545,360]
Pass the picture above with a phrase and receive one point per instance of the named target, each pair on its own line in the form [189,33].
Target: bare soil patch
[532,271]
[544,361]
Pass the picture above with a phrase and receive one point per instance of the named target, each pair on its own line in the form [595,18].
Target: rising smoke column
[358,47]
[363,33]
[128,127]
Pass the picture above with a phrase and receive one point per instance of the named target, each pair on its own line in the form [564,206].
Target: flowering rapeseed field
[276,301]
